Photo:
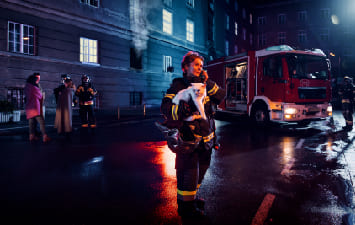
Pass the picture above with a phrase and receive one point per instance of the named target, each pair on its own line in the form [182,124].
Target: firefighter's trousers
[190,171]
[87,115]
[348,111]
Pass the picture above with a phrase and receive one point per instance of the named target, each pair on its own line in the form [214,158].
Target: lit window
[167,64]
[251,18]
[282,37]
[167,22]
[20,38]
[190,3]
[281,19]
[94,3]
[88,50]
[189,30]
[227,48]
[236,28]
[227,22]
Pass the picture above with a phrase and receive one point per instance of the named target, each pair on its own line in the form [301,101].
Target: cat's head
[199,89]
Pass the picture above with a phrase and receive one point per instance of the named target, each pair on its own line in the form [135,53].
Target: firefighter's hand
[204,72]
[91,91]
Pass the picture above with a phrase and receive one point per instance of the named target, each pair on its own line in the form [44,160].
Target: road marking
[300,143]
[263,210]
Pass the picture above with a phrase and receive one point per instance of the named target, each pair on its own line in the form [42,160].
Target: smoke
[139,10]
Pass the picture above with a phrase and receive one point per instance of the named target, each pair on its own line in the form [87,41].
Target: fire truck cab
[275,84]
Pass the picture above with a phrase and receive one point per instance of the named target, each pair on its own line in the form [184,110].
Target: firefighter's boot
[188,209]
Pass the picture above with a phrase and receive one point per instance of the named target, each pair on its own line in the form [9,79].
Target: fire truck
[276,84]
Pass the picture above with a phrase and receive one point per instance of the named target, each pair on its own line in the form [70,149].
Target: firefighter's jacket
[175,114]
[347,93]
[86,94]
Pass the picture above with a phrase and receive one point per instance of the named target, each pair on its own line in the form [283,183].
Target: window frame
[91,3]
[167,26]
[167,62]
[85,53]
[190,3]
[281,19]
[190,34]
[261,20]
[19,46]
[281,38]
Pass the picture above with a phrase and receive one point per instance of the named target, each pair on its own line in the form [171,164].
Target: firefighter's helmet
[64,77]
[348,80]
[85,78]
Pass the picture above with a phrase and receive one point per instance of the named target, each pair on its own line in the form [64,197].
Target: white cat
[196,92]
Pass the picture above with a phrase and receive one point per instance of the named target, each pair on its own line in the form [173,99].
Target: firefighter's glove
[184,109]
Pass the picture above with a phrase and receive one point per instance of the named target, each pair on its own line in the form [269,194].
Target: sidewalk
[103,118]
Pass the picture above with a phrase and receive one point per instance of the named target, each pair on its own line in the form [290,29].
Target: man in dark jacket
[192,160]
[347,101]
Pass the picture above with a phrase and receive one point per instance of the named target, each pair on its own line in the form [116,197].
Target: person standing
[347,95]
[86,93]
[192,162]
[34,107]
[63,117]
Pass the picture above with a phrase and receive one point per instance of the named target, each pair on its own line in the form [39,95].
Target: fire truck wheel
[260,116]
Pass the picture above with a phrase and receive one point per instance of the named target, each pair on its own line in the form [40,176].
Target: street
[123,173]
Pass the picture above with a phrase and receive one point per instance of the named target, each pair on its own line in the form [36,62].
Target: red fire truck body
[275,84]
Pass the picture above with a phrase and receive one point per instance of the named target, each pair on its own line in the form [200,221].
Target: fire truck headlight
[330,110]
[290,111]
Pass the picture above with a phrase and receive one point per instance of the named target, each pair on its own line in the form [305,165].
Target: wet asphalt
[123,173]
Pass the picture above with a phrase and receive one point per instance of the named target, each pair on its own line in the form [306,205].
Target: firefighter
[192,162]
[86,93]
[347,101]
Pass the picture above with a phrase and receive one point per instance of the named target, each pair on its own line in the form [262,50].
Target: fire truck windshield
[307,66]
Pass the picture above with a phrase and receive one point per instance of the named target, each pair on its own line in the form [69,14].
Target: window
[281,19]
[227,48]
[167,22]
[94,3]
[135,59]
[272,67]
[167,64]
[189,30]
[235,49]
[251,39]
[281,37]
[324,35]
[250,18]
[20,38]
[236,28]
[88,50]
[227,22]
[190,3]
[302,36]
[244,34]
[261,39]
[168,3]
[261,20]
[302,16]
[135,98]
[16,97]
[324,13]
[244,13]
